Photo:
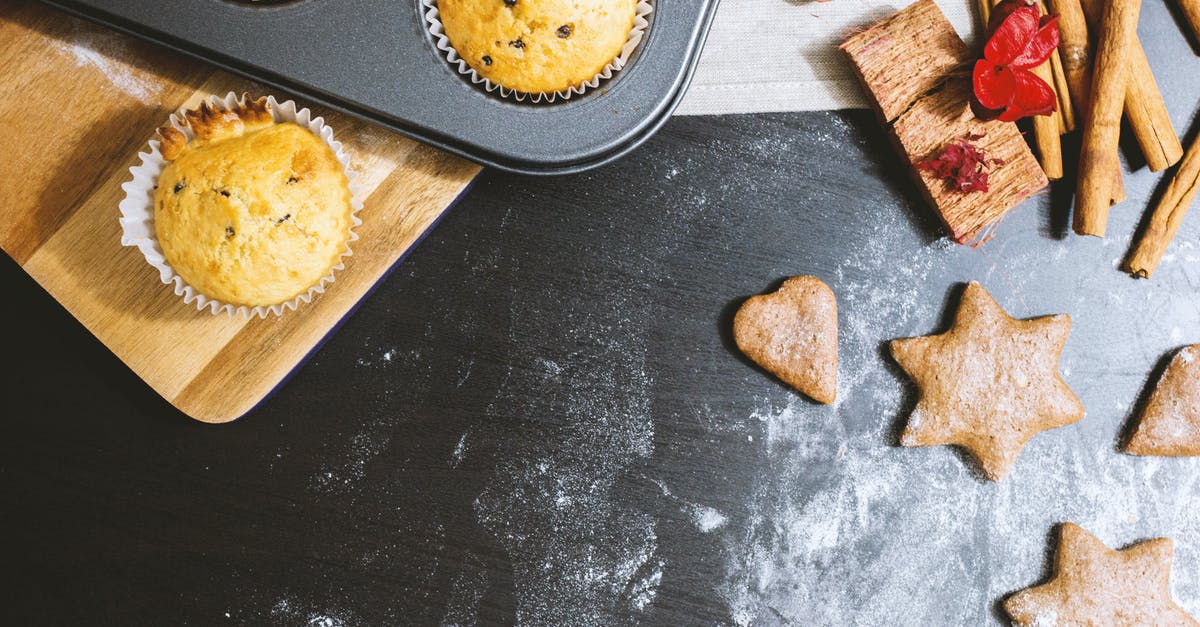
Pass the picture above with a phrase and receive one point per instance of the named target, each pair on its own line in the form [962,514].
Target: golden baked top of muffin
[538,46]
[250,212]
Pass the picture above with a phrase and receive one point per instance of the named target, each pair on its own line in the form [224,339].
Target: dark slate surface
[539,416]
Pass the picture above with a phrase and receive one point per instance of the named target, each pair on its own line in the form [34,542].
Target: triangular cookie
[1170,422]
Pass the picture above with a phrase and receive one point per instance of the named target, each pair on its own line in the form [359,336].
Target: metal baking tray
[375,59]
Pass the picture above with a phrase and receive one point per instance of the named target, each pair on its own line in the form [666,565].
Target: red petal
[1012,36]
[1039,47]
[995,86]
[1033,97]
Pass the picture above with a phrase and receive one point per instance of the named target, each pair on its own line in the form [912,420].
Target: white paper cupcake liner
[137,208]
[433,20]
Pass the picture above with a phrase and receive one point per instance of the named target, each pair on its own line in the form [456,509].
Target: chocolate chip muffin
[538,46]
[250,212]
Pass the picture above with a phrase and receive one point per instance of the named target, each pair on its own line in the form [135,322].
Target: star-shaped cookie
[988,384]
[1095,585]
[1170,423]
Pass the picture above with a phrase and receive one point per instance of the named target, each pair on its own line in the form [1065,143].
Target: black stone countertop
[540,417]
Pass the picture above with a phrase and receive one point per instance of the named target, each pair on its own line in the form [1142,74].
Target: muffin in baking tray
[250,212]
[538,46]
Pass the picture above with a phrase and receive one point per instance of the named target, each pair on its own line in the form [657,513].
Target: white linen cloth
[782,55]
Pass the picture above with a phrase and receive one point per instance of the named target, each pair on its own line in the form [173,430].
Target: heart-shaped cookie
[793,334]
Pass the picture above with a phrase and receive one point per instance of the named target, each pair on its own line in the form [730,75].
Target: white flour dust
[912,537]
[707,519]
[579,555]
[106,52]
[846,528]
[349,466]
[288,611]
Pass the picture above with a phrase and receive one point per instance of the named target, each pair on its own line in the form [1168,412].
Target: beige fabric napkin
[781,55]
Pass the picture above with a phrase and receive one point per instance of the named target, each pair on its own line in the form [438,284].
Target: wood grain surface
[80,103]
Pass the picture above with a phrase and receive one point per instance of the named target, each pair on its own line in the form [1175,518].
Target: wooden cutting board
[78,103]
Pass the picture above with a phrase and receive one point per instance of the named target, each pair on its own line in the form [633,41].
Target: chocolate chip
[292,179]
[229,231]
[564,31]
[510,3]
[517,43]
[179,186]
[283,219]
[224,193]
[487,60]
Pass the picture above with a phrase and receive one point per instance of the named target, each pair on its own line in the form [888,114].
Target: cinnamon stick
[1167,215]
[1191,13]
[1076,49]
[1066,111]
[1062,89]
[1046,133]
[1144,106]
[1102,125]
[985,13]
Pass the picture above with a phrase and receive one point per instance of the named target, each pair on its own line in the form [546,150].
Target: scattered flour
[871,534]
[579,555]
[289,611]
[106,52]
[707,519]
[645,590]
[350,466]
[847,528]
[460,450]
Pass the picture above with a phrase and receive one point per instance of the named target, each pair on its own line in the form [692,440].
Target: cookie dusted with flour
[1094,585]
[792,333]
[989,384]
[1170,422]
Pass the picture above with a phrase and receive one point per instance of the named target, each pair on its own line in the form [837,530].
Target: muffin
[250,212]
[538,46]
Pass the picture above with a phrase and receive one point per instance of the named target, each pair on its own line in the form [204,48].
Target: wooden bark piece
[1170,423]
[944,116]
[906,55]
[906,62]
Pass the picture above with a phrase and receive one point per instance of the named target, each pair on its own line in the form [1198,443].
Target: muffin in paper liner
[434,22]
[137,208]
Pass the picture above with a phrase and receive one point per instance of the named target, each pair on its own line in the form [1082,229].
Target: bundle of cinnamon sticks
[1099,74]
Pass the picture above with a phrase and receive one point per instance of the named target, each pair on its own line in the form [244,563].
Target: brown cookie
[1170,423]
[1095,585]
[988,384]
[792,333]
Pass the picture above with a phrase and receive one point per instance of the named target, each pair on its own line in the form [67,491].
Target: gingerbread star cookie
[1170,423]
[1094,585]
[988,384]
[792,333]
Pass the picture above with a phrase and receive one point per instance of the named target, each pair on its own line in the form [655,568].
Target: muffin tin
[375,59]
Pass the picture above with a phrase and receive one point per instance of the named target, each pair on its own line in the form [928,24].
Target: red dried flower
[1004,85]
[963,165]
